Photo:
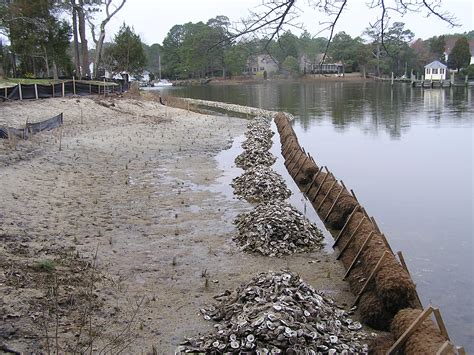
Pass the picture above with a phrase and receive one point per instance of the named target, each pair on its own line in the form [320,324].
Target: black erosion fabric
[32,128]
[28,91]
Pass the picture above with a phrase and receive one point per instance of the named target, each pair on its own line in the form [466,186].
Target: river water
[408,155]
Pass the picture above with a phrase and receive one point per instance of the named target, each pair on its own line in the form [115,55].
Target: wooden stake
[313,180]
[286,148]
[60,138]
[359,253]
[25,131]
[440,322]
[371,276]
[320,186]
[445,348]
[36,91]
[327,194]
[333,204]
[405,267]
[344,186]
[345,225]
[354,195]
[350,238]
[296,161]
[63,90]
[402,261]
[20,91]
[302,164]
[386,243]
[290,157]
[375,225]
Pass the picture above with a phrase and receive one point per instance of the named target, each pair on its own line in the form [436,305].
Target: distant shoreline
[353,77]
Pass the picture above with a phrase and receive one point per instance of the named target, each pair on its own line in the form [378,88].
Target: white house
[435,71]
[261,63]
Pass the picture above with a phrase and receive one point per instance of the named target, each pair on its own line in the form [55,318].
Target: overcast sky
[152,19]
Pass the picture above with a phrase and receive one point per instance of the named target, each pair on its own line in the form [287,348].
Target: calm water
[408,154]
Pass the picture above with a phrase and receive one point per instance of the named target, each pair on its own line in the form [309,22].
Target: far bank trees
[460,56]
[126,52]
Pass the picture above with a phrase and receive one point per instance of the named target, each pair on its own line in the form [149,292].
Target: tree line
[49,38]
[197,50]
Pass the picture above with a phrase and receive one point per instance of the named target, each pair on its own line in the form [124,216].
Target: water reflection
[373,107]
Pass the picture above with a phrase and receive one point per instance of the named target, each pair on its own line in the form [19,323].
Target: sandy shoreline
[132,182]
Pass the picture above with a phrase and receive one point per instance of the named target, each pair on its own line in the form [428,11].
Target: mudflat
[112,233]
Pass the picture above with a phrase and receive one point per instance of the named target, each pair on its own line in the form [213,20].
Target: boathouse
[435,71]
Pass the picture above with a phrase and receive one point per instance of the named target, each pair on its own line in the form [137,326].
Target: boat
[162,83]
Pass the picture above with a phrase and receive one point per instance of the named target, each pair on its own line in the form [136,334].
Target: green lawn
[13,82]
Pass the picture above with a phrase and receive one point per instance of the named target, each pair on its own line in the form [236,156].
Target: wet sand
[133,184]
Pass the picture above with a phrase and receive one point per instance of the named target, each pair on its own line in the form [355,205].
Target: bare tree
[99,41]
[81,16]
[273,17]
[75,38]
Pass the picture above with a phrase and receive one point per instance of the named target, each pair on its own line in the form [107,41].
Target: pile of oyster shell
[253,157]
[259,135]
[278,313]
[260,183]
[259,126]
[275,228]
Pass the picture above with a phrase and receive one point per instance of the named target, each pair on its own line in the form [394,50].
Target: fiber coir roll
[292,151]
[306,172]
[300,159]
[281,120]
[392,283]
[373,312]
[342,209]
[289,147]
[287,135]
[426,339]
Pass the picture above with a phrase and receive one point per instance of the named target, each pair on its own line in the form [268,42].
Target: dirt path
[132,183]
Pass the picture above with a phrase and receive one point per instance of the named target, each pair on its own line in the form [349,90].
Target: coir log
[426,339]
[392,288]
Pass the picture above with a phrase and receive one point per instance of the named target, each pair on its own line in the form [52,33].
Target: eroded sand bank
[133,184]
